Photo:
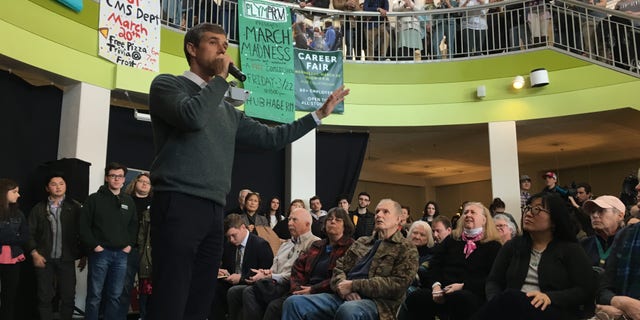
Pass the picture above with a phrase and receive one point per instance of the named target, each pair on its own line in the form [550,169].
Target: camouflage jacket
[393,267]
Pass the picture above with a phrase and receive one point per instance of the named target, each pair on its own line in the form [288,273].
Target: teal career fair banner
[318,74]
[266,55]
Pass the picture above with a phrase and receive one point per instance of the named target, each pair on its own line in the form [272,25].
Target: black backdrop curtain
[130,141]
[339,158]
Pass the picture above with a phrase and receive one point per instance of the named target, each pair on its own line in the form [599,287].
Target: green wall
[45,34]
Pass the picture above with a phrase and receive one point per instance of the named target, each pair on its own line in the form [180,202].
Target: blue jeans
[439,30]
[328,306]
[133,264]
[107,270]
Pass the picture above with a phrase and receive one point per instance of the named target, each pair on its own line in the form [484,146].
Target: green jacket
[195,133]
[108,220]
[392,269]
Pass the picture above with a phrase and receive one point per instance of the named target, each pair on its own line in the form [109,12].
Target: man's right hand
[38,260]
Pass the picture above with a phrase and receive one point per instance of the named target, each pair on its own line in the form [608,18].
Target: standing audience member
[377,34]
[250,213]
[362,218]
[274,213]
[543,274]
[474,28]
[312,271]
[431,211]
[443,30]
[410,32]
[242,194]
[14,234]
[140,191]
[580,217]
[441,227]
[248,302]
[243,252]
[525,187]
[54,244]
[619,290]
[370,280]
[108,226]
[607,219]
[551,185]
[455,282]
[145,285]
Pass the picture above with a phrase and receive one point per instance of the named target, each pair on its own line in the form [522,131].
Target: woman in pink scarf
[453,287]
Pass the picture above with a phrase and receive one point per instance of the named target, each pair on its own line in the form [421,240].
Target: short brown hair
[233,220]
[194,35]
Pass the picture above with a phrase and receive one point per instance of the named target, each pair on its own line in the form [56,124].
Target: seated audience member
[312,271]
[318,216]
[607,218]
[543,274]
[241,197]
[250,301]
[54,244]
[242,252]
[282,227]
[505,226]
[343,202]
[454,284]
[370,280]
[250,213]
[498,207]
[431,211]
[619,290]
[441,227]
[405,220]
[274,214]
[421,236]
[580,217]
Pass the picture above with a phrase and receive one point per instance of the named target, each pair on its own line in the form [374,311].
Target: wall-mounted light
[539,77]
[518,82]
[481,91]
[141,116]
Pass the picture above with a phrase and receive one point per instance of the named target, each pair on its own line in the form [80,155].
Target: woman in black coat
[543,274]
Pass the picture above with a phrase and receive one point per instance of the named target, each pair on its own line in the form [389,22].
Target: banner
[266,54]
[317,60]
[129,33]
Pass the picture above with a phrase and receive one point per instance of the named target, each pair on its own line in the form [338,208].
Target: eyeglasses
[115,176]
[534,210]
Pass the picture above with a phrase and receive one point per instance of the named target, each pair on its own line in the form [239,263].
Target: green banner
[266,55]
[318,73]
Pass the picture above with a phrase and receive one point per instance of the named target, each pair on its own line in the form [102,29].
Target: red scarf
[470,246]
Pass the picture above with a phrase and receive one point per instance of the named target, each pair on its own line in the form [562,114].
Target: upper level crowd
[412,30]
[571,255]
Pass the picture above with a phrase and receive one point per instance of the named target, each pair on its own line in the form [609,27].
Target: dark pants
[186,237]
[219,307]
[512,304]
[9,277]
[458,305]
[133,264]
[60,274]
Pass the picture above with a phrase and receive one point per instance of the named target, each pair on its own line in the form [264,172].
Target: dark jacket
[257,255]
[108,220]
[144,245]
[195,133]
[564,273]
[449,265]
[41,237]
[306,263]
[392,269]
[14,232]
[365,224]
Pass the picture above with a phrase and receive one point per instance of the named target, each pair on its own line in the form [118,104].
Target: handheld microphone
[234,71]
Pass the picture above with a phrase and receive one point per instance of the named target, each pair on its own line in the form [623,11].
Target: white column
[84,128]
[301,168]
[503,150]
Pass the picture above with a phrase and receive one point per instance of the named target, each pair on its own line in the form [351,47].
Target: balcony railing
[606,37]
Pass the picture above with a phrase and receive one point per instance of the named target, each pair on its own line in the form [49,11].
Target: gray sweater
[195,132]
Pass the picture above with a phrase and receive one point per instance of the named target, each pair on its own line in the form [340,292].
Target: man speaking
[195,132]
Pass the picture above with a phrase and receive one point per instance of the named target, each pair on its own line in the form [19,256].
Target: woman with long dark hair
[274,212]
[543,274]
[431,211]
[14,234]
